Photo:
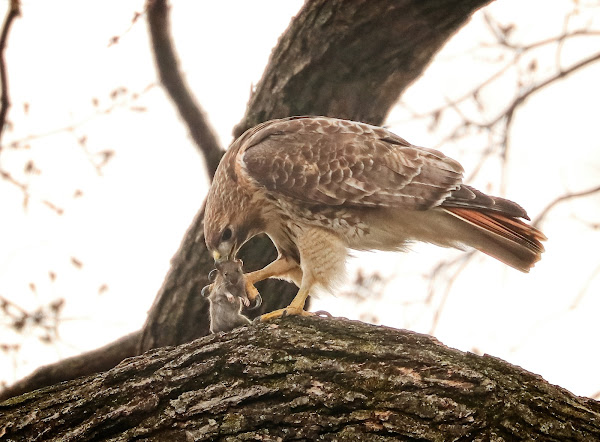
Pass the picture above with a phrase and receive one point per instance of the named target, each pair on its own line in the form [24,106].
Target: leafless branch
[175,84]
[14,11]
[459,264]
[519,52]
[584,289]
[120,98]
[117,38]
[43,321]
[561,199]
[563,73]
[26,195]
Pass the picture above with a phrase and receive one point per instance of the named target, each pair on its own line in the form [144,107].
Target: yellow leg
[296,308]
[279,267]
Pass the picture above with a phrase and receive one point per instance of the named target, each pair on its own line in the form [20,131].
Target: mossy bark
[305,379]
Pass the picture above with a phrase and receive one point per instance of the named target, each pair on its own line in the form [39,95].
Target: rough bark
[337,58]
[305,379]
[353,59]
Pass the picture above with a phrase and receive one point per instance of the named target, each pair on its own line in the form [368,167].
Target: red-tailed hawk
[319,186]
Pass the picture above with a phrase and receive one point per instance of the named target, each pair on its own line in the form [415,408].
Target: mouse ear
[205,291]
[213,275]
[240,262]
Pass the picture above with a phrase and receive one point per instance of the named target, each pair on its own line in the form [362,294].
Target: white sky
[130,220]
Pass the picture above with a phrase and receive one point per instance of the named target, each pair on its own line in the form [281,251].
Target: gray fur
[227,296]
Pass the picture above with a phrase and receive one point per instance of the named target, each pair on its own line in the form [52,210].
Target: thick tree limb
[305,379]
[353,61]
[95,361]
[357,67]
[173,81]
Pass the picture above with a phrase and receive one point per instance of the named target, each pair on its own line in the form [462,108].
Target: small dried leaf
[30,168]
[57,305]
[533,65]
[19,324]
[106,156]
[77,263]
[46,339]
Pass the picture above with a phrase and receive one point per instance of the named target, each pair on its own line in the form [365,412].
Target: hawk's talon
[251,291]
[257,302]
[323,314]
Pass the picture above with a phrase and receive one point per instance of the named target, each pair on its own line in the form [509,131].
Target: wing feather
[320,160]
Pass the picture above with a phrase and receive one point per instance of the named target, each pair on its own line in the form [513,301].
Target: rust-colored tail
[505,237]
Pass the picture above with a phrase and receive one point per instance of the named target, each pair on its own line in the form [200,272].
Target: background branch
[173,81]
[14,10]
[561,199]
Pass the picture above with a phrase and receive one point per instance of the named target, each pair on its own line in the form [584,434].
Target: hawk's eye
[227,234]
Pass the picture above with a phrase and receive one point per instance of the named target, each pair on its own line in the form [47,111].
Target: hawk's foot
[251,291]
[282,313]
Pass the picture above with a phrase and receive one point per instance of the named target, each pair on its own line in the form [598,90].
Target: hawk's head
[229,221]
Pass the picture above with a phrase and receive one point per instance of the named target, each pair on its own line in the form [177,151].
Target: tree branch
[365,56]
[14,11]
[95,361]
[305,379]
[173,81]
[561,199]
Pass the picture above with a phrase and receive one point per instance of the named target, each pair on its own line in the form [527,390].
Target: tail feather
[506,238]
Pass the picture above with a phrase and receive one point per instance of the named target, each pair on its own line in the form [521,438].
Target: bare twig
[561,199]
[43,321]
[13,12]
[547,82]
[584,289]
[117,38]
[173,81]
[520,50]
[462,261]
[122,102]
[26,195]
